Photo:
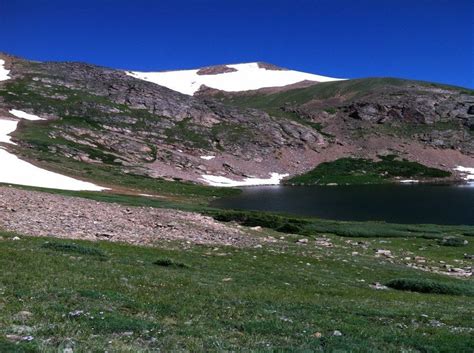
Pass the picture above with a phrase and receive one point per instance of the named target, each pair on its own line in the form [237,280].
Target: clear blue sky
[421,39]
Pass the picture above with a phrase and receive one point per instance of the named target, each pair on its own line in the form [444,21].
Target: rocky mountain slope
[96,118]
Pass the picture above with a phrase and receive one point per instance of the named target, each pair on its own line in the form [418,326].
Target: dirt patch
[42,214]
[215,70]
[268,66]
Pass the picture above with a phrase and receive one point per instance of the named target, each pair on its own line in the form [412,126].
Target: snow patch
[23,115]
[208,158]
[468,173]
[16,171]
[3,72]
[6,128]
[248,76]
[409,181]
[222,181]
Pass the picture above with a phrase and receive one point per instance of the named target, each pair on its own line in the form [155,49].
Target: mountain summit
[230,78]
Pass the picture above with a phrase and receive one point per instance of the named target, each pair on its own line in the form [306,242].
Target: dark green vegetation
[365,171]
[452,241]
[276,298]
[311,226]
[430,286]
[72,248]
[166,262]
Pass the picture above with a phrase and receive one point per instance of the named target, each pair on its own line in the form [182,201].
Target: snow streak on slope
[6,127]
[16,171]
[23,115]
[215,180]
[3,72]
[248,76]
[468,173]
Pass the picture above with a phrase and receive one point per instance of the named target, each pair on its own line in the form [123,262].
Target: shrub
[73,248]
[430,286]
[365,171]
[452,241]
[290,228]
[166,262]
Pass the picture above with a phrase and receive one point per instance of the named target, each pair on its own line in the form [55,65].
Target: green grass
[228,299]
[365,171]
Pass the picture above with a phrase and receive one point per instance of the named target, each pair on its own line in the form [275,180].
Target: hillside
[105,126]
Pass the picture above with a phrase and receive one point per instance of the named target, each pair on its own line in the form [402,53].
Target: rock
[23,315]
[302,241]
[15,238]
[436,323]
[22,329]
[14,338]
[326,243]
[257,228]
[228,279]
[383,252]
[378,286]
[337,333]
[76,313]
[456,269]
[317,335]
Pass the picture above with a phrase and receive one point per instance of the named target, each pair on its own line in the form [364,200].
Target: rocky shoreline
[41,214]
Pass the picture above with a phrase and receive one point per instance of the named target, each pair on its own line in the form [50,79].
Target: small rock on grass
[337,333]
[378,286]
[23,315]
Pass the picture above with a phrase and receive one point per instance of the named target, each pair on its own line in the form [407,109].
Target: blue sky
[421,39]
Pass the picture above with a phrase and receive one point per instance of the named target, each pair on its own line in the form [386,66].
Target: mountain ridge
[108,121]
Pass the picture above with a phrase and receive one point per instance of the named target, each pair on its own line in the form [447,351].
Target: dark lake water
[437,204]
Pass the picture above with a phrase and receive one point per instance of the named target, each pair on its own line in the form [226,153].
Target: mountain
[230,78]
[112,128]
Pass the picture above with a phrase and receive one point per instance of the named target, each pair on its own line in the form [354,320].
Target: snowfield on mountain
[16,171]
[3,72]
[230,78]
